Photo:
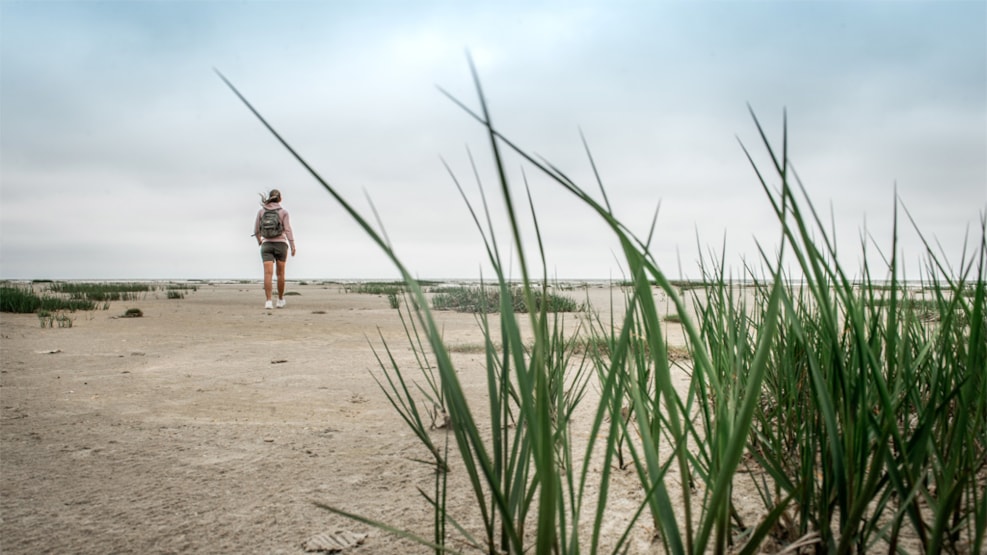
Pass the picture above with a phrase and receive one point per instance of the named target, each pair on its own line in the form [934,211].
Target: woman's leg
[268,278]
[281,268]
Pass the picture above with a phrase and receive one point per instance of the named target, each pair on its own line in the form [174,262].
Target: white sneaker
[281,303]
[268,305]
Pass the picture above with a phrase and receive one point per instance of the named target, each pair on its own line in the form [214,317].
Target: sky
[123,155]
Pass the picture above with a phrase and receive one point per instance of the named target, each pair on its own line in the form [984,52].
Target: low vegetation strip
[51,296]
[25,301]
[487,300]
[102,291]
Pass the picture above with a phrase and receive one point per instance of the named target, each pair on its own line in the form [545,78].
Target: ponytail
[273,196]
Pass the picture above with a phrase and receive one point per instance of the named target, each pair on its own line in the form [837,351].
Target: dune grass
[860,421]
[25,301]
[53,296]
[102,291]
[51,319]
[487,299]
[377,288]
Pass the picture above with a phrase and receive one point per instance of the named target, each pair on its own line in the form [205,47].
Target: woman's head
[273,196]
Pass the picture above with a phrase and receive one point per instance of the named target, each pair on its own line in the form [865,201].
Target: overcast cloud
[124,156]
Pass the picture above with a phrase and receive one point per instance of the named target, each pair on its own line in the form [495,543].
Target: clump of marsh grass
[72,296]
[133,313]
[861,395]
[487,299]
[393,291]
[377,288]
[179,290]
[25,301]
[46,319]
[18,300]
[181,287]
[50,319]
[866,423]
[99,292]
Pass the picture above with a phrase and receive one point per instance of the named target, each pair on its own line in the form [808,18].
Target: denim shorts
[271,251]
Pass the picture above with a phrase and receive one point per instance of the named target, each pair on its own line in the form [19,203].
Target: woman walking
[272,228]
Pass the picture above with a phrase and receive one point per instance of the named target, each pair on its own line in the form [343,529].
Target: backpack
[270,224]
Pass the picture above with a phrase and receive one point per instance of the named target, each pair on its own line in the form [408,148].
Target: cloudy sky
[124,156]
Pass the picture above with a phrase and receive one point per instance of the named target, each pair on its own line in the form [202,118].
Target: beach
[212,425]
[209,424]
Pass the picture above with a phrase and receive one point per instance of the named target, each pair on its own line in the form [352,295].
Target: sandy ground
[211,425]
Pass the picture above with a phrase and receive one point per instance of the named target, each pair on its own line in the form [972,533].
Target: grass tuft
[862,413]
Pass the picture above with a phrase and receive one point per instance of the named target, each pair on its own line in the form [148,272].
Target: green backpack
[270,224]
